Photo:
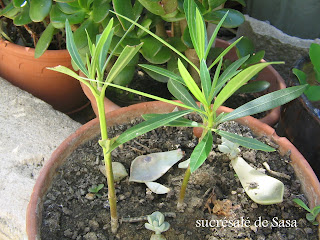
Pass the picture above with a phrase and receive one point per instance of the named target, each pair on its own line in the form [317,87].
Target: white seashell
[148,168]
[184,164]
[157,188]
[119,171]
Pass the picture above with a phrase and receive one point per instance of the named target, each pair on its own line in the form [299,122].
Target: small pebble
[90,196]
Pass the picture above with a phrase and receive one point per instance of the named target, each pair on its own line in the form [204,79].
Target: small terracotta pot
[267,74]
[19,67]
[309,182]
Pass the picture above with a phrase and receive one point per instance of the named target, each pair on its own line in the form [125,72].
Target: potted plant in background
[300,119]
[180,87]
[40,24]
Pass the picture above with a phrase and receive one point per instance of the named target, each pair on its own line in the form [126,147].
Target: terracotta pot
[18,66]
[309,182]
[268,74]
[301,125]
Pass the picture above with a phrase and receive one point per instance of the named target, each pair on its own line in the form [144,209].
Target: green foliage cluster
[313,79]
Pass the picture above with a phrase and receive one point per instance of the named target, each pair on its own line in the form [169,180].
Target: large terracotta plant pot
[18,66]
[309,182]
[268,74]
[300,123]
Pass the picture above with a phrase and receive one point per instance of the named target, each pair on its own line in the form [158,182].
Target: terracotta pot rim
[312,189]
[30,50]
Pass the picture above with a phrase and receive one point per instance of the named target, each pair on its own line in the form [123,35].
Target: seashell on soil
[148,168]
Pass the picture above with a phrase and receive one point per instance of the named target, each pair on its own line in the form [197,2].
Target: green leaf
[100,10]
[163,72]
[205,79]
[17,3]
[215,3]
[234,19]
[100,53]
[236,82]
[266,102]
[80,35]
[125,57]
[197,28]
[9,11]
[253,87]
[154,51]
[191,84]
[201,152]
[301,204]
[147,126]
[224,52]
[314,53]
[160,8]
[316,210]
[302,77]
[255,58]
[214,90]
[181,93]
[180,122]
[73,51]
[313,93]
[244,47]
[58,18]
[39,9]
[160,40]
[214,35]
[23,17]
[44,41]
[124,7]
[67,8]
[244,141]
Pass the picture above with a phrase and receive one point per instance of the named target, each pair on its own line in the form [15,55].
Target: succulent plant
[157,224]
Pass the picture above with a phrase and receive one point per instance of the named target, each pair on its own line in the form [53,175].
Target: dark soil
[214,193]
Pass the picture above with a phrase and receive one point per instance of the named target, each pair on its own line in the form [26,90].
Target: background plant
[313,78]
[47,18]
[94,68]
[312,214]
[184,88]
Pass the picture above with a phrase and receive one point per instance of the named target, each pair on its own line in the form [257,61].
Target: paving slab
[30,130]
[278,45]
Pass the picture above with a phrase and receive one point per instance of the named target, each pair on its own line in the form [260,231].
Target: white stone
[30,130]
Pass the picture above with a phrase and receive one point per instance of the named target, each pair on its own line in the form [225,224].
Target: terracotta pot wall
[18,66]
[309,181]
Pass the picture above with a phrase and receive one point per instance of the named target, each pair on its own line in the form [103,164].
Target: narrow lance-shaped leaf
[73,51]
[176,103]
[191,84]
[95,61]
[230,72]
[224,52]
[163,72]
[235,83]
[244,141]
[265,102]
[205,79]
[201,152]
[159,39]
[214,35]
[44,41]
[213,90]
[181,93]
[180,122]
[147,126]
[125,57]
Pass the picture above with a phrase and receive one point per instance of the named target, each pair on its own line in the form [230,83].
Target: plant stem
[183,188]
[108,165]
